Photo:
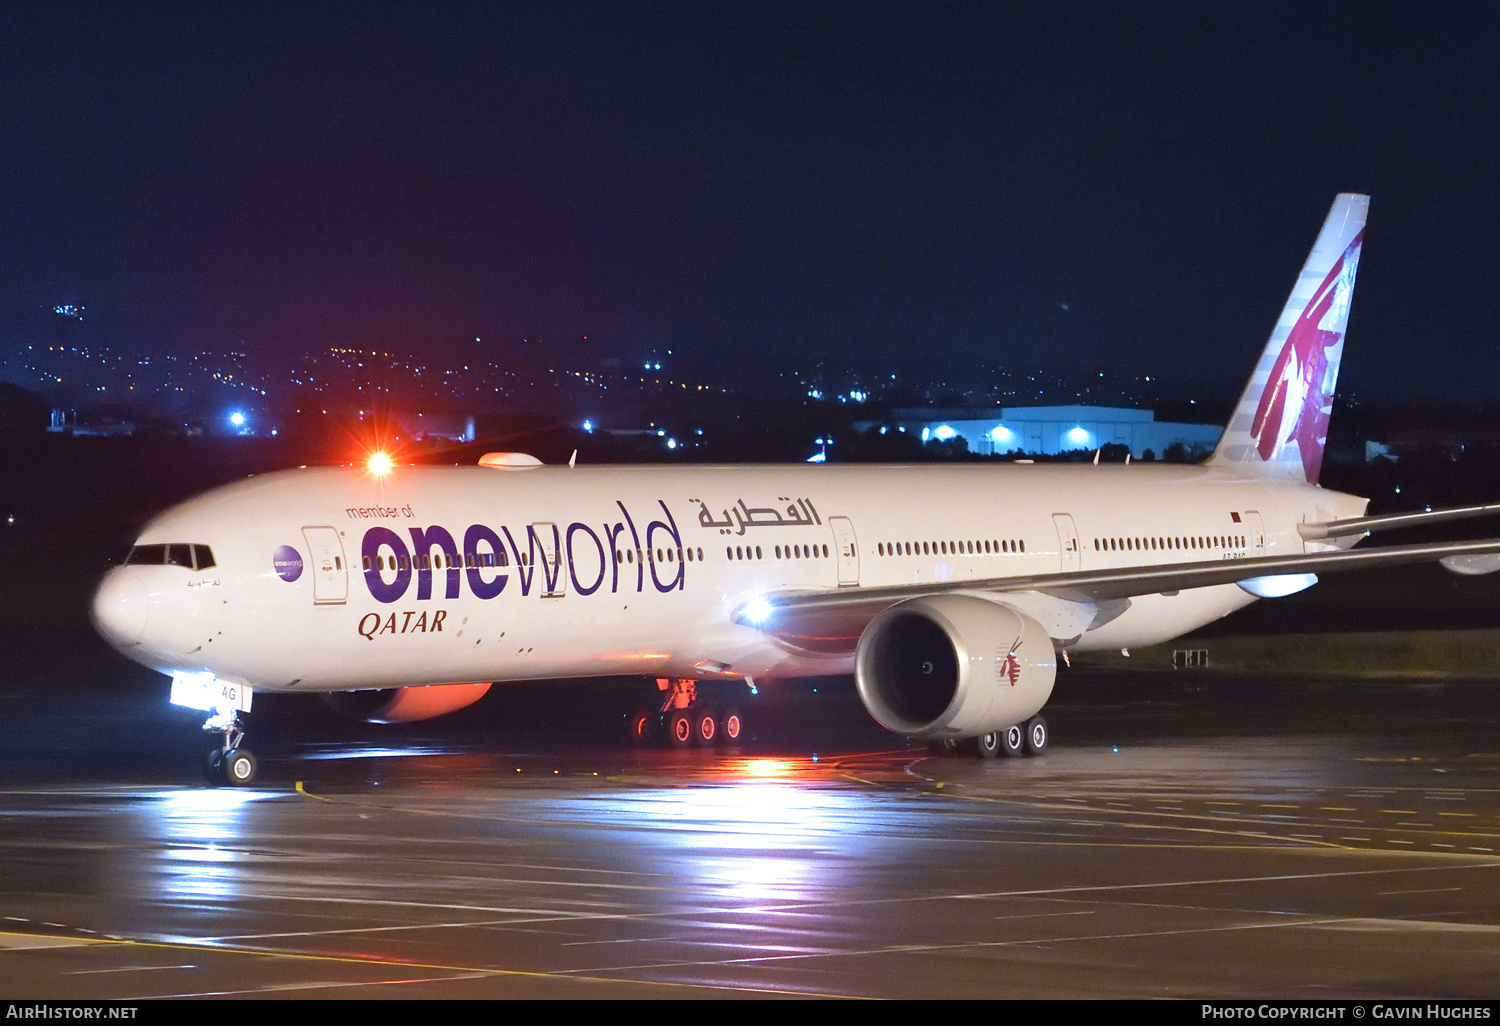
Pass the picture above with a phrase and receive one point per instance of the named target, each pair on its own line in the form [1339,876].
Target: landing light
[756,611]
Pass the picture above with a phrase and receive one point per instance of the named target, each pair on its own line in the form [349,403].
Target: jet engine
[953,666]
[405,705]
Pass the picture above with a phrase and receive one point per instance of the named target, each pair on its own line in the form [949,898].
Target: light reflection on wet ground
[1218,840]
[1165,869]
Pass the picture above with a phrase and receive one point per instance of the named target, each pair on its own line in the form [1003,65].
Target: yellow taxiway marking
[35,941]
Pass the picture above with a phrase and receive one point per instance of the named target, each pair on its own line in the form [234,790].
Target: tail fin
[1280,426]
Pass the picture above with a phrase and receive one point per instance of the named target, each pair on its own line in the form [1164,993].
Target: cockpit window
[193,557]
[147,555]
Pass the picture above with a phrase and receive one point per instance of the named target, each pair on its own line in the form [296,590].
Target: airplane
[949,591]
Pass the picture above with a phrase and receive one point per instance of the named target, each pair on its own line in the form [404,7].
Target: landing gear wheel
[213,766]
[945,748]
[1013,741]
[219,765]
[705,727]
[680,728]
[731,726]
[1036,736]
[988,744]
[239,767]
[640,725]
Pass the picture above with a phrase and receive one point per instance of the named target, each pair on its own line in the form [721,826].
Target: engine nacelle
[953,666]
[405,705]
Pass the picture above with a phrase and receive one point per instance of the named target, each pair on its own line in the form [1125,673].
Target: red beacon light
[380,464]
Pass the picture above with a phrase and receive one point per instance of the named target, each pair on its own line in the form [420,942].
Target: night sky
[914,188]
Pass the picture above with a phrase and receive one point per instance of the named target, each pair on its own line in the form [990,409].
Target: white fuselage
[318,582]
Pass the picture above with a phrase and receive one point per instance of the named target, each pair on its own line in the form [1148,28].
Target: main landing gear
[230,762]
[1029,738]
[685,720]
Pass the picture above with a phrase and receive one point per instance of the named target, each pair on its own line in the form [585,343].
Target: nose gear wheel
[230,763]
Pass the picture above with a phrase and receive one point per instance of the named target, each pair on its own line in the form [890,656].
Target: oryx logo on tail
[1298,396]
[1280,425]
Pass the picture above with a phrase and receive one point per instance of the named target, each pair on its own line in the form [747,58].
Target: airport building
[1048,430]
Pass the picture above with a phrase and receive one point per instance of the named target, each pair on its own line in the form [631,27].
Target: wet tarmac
[1186,836]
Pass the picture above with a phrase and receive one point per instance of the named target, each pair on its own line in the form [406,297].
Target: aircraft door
[330,573]
[1067,543]
[546,542]
[1256,529]
[847,548]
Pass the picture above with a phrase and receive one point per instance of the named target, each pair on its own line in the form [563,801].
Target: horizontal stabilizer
[1365,525]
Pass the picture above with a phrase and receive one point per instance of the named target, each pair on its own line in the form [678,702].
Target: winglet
[1280,426]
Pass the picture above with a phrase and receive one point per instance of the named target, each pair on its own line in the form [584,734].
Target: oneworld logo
[287,563]
[551,559]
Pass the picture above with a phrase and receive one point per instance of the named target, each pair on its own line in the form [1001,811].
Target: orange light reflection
[764,769]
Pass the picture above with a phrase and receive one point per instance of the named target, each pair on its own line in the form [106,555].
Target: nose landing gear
[229,763]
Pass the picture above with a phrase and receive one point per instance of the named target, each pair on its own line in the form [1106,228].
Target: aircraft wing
[832,619]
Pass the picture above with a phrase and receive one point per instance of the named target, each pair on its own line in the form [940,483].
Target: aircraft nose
[120,608]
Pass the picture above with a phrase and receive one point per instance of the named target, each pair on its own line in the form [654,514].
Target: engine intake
[952,666]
